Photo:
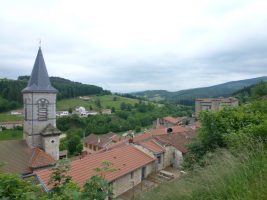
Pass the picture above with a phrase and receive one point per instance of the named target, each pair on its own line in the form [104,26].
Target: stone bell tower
[39,98]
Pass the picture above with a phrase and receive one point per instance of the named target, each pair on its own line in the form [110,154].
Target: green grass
[7,117]
[11,135]
[242,177]
[106,101]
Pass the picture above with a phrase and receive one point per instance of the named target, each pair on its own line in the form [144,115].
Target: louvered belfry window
[42,109]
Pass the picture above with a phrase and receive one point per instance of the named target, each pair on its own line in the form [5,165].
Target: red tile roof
[178,140]
[101,140]
[178,129]
[40,159]
[171,120]
[158,131]
[125,159]
[153,146]
[19,158]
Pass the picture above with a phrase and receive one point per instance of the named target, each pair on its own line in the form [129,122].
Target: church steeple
[39,99]
[39,80]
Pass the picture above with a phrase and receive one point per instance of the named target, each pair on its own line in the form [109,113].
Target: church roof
[17,157]
[39,80]
[40,159]
[50,130]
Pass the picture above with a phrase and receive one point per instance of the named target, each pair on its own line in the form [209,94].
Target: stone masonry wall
[33,127]
[125,183]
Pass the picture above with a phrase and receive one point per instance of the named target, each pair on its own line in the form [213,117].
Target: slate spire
[39,80]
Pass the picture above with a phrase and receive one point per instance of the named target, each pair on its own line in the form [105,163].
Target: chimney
[169,130]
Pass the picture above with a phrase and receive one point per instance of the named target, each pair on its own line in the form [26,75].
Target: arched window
[42,109]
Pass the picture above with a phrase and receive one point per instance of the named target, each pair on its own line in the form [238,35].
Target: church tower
[39,98]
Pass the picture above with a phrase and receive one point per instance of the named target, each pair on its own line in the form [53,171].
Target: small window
[25,110]
[132,175]
[159,159]
[42,109]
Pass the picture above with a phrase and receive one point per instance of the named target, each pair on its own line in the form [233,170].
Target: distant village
[141,160]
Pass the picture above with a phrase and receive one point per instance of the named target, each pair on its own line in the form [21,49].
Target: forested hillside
[187,97]
[252,92]
[11,97]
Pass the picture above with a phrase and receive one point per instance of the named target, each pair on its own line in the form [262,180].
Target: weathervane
[40,43]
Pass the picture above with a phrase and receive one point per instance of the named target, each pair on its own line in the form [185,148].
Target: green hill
[106,101]
[11,97]
[187,97]
[252,92]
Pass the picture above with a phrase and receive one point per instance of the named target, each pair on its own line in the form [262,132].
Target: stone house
[11,125]
[130,165]
[214,104]
[94,142]
[166,122]
[106,111]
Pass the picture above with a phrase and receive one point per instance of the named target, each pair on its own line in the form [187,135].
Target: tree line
[11,97]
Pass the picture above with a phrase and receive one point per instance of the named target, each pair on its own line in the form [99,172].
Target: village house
[130,165]
[40,145]
[62,113]
[81,111]
[106,111]
[85,98]
[171,121]
[11,124]
[16,112]
[170,143]
[214,104]
[94,142]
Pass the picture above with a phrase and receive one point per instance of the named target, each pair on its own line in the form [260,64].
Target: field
[7,117]
[11,135]
[107,101]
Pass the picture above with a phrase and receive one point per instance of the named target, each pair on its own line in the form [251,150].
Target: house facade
[214,104]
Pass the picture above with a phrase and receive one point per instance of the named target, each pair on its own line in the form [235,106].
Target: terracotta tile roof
[15,154]
[20,159]
[101,140]
[171,120]
[125,159]
[158,131]
[149,134]
[40,159]
[179,129]
[142,137]
[117,144]
[153,146]
[178,140]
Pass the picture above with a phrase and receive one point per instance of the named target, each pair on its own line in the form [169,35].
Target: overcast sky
[133,45]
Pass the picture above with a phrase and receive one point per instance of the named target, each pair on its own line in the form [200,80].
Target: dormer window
[42,109]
